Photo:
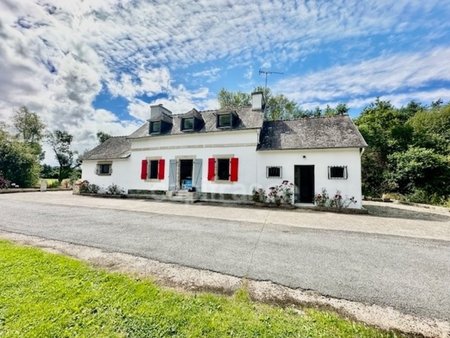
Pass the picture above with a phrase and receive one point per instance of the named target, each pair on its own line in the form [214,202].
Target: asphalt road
[411,275]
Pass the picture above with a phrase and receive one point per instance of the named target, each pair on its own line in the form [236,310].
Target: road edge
[198,280]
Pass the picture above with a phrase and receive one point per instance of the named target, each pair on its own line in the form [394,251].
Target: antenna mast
[267,72]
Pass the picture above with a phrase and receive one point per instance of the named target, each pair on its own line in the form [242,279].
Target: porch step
[183,196]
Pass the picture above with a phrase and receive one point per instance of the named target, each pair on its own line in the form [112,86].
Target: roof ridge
[308,118]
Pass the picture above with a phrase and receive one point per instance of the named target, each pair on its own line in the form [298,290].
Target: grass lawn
[43,294]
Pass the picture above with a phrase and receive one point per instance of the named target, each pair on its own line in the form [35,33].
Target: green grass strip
[48,295]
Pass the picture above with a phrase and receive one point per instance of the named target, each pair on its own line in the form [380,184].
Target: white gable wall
[119,175]
[321,159]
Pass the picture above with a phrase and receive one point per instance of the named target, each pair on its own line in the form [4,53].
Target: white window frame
[338,178]
[274,166]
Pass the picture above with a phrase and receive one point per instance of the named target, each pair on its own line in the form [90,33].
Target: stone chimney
[258,101]
[157,110]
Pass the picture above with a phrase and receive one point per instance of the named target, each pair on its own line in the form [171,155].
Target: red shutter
[161,169]
[211,169]
[144,167]
[234,164]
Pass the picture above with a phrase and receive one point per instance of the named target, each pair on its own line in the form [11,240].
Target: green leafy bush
[114,189]
[336,201]
[93,188]
[259,195]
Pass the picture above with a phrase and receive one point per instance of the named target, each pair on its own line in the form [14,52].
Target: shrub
[114,189]
[93,188]
[421,196]
[4,183]
[322,199]
[281,193]
[338,202]
[259,195]
[52,184]
[74,176]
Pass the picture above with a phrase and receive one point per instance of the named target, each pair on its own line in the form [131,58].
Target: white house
[225,154]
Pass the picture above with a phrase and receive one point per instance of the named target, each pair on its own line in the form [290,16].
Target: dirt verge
[195,280]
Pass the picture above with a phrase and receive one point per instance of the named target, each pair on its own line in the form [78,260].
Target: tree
[420,169]
[277,107]
[47,171]
[30,129]
[408,150]
[29,126]
[60,142]
[231,100]
[18,162]
[432,128]
[102,137]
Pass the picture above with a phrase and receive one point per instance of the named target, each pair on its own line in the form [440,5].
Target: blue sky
[99,64]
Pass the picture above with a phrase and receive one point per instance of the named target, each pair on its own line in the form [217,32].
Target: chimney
[157,110]
[257,101]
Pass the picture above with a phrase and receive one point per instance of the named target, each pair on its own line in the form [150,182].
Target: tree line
[21,151]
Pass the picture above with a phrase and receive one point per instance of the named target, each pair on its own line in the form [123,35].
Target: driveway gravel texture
[405,271]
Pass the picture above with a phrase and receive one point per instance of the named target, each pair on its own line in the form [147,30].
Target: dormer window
[187,124]
[225,120]
[155,127]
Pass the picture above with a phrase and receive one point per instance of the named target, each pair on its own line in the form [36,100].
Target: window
[224,121]
[153,174]
[187,123]
[223,169]
[152,169]
[104,169]
[155,127]
[272,172]
[337,172]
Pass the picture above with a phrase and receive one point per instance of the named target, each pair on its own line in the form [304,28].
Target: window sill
[222,181]
[103,174]
[153,180]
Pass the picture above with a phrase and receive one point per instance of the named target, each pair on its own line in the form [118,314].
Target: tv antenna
[267,72]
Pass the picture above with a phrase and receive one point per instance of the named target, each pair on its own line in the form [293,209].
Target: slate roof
[112,148]
[248,119]
[311,133]
[304,133]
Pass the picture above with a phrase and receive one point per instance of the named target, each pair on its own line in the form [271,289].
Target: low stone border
[17,190]
[102,195]
[238,203]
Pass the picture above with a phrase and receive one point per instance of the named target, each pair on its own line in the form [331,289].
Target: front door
[304,183]
[186,167]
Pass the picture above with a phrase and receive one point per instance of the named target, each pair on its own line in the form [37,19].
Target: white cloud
[386,76]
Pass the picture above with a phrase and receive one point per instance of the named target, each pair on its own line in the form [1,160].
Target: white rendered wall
[252,164]
[321,159]
[120,169]
[240,144]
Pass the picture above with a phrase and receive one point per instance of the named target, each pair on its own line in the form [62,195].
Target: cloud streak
[401,77]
